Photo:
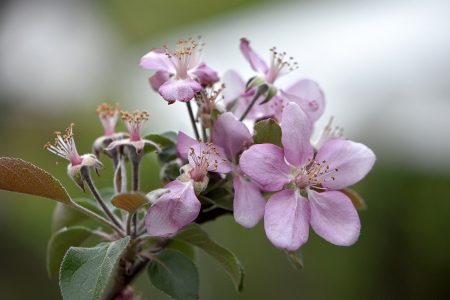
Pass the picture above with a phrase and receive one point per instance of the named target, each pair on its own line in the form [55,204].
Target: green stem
[259,92]
[87,178]
[97,217]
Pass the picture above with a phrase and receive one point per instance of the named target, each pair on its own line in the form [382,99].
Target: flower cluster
[251,155]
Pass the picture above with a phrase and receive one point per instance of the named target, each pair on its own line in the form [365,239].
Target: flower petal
[309,96]
[158,79]
[296,131]
[264,164]
[334,217]
[256,62]
[234,86]
[214,155]
[205,75]
[158,60]
[230,134]
[179,90]
[248,204]
[173,210]
[286,220]
[351,160]
[184,143]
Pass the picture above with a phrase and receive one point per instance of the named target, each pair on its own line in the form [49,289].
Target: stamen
[64,146]
[134,122]
[108,115]
[280,65]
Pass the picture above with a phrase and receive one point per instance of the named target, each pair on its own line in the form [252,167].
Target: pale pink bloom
[233,137]
[179,73]
[307,183]
[305,92]
[134,123]
[64,146]
[180,206]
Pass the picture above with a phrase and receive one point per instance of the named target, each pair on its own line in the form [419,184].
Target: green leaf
[267,131]
[60,242]
[220,197]
[86,273]
[196,236]
[170,171]
[296,259]
[17,175]
[66,216]
[183,247]
[175,274]
[356,198]
[167,142]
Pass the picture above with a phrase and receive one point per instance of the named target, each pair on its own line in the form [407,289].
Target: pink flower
[108,115]
[307,184]
[306,93]
[233,136]
[64,146]
[134,123]
[179,74]
[180,206]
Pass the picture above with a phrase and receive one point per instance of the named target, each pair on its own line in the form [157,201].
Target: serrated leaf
[296,259]
[60,242]
[357,200]
[86,273]
[129,202]
[267,131]
[174,274]
[196,236]
[17,175]
[66,216]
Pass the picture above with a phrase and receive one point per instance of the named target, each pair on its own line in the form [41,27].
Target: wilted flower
[307,183]
[108,115]
[64,146]
[134,123]
[179,73]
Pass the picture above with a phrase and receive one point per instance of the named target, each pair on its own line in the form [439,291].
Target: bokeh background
[385,70]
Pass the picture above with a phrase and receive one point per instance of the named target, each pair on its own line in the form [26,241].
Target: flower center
[134,122]
[314,175]
[64,146]
[206,160]
[186,56]
[280,65]
[108,115]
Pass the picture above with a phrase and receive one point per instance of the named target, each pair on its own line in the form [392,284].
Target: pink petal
[158,79]
[296,131]
[214,155]
[184,143]
[286,220]
[334,217]
[234,86]
[309,96]
[205,75]
[115,144]
[231,134]
[179,90]
[256,62]
[352,160]
[264,164]
[248,205]
[158,60]
[173,211]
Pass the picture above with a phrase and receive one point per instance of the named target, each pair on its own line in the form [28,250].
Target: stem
[129,218]
[87,178]
[259,92]
[135,162]
[191,116]
[204,134]
[97,217]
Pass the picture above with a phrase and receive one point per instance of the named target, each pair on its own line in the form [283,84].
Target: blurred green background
[89,50]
